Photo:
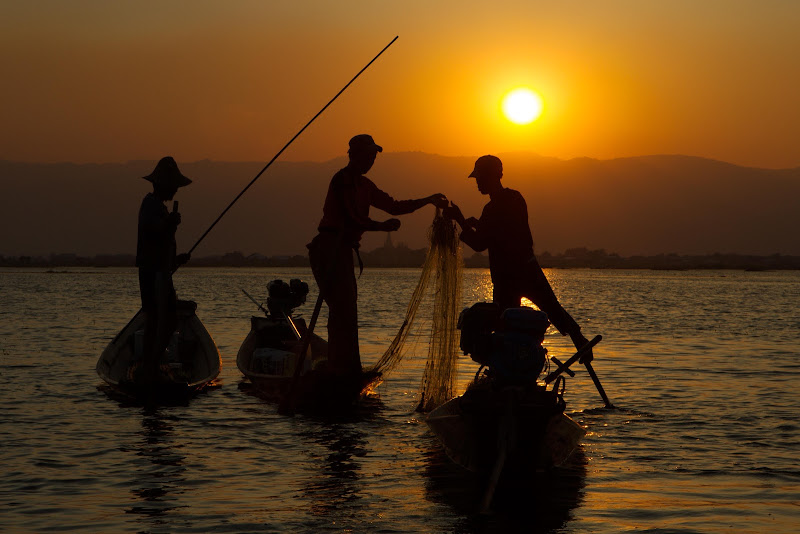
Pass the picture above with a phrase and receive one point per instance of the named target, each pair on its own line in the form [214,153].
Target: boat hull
[193,359]
[536,438]
[268,356]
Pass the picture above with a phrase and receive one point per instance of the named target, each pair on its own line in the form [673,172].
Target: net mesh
[442,267]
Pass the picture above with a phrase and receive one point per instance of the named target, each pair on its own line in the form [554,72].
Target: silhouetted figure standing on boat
[503,229]
[156,259]
[345,217]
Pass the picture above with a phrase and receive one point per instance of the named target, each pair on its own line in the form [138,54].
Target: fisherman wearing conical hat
[345,217]
[503,230]
[156,259]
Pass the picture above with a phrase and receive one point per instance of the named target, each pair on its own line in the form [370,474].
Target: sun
[522,106]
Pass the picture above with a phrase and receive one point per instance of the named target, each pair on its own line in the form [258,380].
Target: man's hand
[438,200]
[472,222]
[579,340]
[180,259]
[454,212]
[390,226]
[174,218]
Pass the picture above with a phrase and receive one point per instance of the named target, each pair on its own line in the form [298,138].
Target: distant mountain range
[630,206]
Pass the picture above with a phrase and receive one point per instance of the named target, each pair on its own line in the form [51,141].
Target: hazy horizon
[631,206]
[400,152]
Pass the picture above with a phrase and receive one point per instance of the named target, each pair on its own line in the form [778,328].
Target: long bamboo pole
[287,146]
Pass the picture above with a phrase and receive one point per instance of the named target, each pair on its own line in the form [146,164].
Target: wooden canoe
[189,364]
[471,433]
[267,358]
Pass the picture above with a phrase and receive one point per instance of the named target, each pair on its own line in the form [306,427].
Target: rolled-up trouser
[332,263]
[530,282]
[159,304]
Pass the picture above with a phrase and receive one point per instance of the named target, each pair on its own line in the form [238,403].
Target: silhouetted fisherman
[503,229]
[345,217]
[156,259]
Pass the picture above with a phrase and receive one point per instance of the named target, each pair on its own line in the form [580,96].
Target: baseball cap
[487,166]
[363,142]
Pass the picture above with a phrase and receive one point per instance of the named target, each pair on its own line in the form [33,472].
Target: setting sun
[522,106]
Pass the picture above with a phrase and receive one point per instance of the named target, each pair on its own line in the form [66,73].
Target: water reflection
[536,502]
[159,480]
[336,489]
[130,401]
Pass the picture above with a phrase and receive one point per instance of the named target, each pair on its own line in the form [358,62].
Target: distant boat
[190,363]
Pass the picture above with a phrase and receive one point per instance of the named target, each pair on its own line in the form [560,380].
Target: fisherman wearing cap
[345,217]
[156,259]
[503,229]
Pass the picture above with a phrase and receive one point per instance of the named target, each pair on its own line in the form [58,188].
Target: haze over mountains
[642,205]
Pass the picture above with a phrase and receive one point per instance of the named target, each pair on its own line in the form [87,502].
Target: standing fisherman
[345,217]
[156,259]
[503,229]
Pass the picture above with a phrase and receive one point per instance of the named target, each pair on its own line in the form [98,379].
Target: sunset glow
[522,106]
[234,82]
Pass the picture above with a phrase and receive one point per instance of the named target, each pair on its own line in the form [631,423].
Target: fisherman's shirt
[347,204]
[503,229]
[155,247]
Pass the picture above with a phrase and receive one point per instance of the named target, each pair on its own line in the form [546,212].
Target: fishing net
[442,267]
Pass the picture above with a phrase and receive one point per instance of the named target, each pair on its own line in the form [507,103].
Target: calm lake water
[703,367]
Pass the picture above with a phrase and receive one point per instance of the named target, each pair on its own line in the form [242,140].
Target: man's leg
[147,289]
[339,289]
[537,288]
[506,295]
[166,316]
[343,355]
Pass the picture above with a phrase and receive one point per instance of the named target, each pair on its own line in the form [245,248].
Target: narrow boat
[506,422]
[269,355]
[528,422]
[190,363]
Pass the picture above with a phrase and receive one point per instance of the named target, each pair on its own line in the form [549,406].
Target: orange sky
[115,81]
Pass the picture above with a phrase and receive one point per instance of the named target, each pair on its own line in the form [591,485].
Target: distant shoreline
[404,257]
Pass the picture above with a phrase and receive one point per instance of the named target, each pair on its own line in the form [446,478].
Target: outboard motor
[284,298]
[509,343]
[477,324]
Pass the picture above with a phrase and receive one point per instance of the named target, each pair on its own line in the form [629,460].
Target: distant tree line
[403,256]
[600,259]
